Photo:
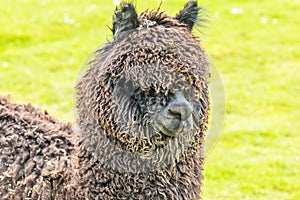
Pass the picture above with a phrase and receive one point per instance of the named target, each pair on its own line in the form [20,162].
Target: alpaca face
[152,112]
[149,107]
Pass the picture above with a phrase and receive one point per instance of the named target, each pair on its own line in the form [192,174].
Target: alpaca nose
[180,107]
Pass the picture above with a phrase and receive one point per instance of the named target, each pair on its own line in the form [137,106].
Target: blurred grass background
[254,45]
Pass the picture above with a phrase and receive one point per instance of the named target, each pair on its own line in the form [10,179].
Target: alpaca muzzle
[176,117]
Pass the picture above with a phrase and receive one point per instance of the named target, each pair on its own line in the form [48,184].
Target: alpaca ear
[125,19]
[189,14]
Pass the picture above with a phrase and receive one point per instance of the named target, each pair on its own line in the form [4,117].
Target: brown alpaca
[142,112]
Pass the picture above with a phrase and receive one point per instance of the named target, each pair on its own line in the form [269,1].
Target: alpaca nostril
[180,107]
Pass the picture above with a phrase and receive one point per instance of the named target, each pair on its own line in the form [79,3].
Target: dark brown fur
[35,151]
[116,152]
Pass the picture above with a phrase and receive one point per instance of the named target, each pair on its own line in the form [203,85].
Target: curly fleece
[116,152]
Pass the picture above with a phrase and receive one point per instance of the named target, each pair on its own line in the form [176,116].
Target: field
[253,44]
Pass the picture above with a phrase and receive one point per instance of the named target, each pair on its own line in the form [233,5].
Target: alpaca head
[143,101]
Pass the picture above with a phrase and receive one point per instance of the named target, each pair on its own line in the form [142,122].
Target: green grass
[43,43]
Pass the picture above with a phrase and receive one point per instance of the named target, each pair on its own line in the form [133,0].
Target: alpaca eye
[163,101]
[151,91]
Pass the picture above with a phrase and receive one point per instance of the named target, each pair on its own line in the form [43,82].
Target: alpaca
[142,110]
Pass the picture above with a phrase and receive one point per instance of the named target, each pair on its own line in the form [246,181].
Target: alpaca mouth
[172,126]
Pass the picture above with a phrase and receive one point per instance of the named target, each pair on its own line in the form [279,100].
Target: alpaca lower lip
[173,127]
[170,132]
[170,129]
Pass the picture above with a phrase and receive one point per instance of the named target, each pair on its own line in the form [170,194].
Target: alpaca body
[35,151]
[142,112]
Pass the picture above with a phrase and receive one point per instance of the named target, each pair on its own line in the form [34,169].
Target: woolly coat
[35,151]
[116,152]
